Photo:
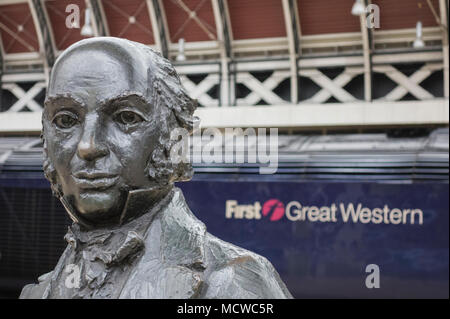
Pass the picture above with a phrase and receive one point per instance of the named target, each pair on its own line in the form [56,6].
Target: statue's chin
[98,206]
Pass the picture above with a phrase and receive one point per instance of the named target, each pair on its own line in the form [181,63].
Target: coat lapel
[182,249]
[174,259]
[171,264]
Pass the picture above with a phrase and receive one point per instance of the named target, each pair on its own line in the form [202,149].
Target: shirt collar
[114,244]
[138,203]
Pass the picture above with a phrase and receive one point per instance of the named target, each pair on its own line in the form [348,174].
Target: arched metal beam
[45,38]
[159,26]
[222,19]
[224,37]
[1,56]
[443,8]
[293,33]
[1,74]
[367,36]
[99,17]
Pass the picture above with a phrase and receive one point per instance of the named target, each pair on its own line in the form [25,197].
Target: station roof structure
[251,53]
[250,27]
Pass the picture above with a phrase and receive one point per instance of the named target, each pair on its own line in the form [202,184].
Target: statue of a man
[110,108]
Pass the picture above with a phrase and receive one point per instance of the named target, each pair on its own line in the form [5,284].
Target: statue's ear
[185,172]
[48,168]
[50,175]
[176,111]
[161,169]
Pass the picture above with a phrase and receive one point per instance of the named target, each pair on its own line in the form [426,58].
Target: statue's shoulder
[197,264]
[235,272]
[228,271]
[41,290]
[37,291]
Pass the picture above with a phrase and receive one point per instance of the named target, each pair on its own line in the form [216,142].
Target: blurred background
[357,89]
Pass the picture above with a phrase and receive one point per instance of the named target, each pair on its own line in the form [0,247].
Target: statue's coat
[166,253]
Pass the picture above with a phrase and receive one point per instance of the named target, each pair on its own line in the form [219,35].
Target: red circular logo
[273,208]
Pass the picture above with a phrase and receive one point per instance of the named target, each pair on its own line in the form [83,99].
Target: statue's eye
[128,118]
[65,120]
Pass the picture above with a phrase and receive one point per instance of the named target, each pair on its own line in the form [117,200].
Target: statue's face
[100,132]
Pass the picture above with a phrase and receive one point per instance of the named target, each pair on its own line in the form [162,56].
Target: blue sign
[326,238]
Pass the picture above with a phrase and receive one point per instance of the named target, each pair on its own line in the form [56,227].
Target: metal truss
[230,71]
[261,90]
[200,91]
[1,73]
[44,33]
[408,84]
[224,34]
[443,8]
[293,32]
[265,90]
[99,20]
[332,87]
[159,25]
[25,98]
[220,7]
[367,53]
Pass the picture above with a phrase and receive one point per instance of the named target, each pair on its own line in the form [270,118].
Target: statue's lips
[95,181]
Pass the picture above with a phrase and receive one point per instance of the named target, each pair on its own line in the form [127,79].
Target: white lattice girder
[331,87]
[199,91]
[355,114]
[408,84]
[24,98]
[262,90]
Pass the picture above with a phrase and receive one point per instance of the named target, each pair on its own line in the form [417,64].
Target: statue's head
[111,105]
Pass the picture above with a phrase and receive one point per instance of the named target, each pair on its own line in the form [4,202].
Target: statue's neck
[138,203]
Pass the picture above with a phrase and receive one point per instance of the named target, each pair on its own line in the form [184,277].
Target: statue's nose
[91,146]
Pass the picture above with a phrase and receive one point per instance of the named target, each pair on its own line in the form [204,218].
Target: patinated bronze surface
[110,107]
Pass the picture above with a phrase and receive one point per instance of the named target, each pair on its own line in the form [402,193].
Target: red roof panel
[252,19]
[56,11]
[129,19]
[198,26]
[327,16]
[401,14]
[17,29]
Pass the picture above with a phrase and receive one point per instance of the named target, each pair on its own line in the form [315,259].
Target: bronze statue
[110,107]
